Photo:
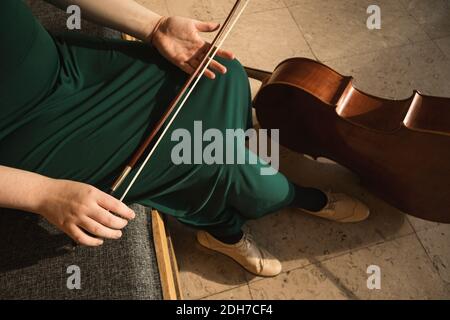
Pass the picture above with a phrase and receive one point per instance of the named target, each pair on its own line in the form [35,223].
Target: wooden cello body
[400,149]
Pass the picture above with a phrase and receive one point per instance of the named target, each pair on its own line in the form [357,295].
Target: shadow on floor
[293,236]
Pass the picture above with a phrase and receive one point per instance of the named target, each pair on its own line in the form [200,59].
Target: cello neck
[257,74]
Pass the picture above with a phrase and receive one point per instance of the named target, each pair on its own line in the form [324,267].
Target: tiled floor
[325,260]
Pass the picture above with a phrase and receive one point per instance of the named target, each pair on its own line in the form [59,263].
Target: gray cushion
[34,257]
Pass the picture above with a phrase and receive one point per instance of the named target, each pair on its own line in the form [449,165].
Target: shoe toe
[360,213]
[253,258]
[362,210]
[272,267]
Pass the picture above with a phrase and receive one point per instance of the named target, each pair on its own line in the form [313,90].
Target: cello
[400,149]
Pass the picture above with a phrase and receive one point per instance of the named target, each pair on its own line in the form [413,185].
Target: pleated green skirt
[77,108]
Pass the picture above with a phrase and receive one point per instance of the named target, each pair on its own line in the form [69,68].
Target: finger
[97,229]
[208,73]
[225,54]
[207,26]
[82,238]
[108,219]
[186,67]
[118,207]
[214,65]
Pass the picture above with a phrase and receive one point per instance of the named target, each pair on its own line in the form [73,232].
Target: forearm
[22,190]
[124,15]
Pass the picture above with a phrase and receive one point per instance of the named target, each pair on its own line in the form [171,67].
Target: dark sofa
[35,257]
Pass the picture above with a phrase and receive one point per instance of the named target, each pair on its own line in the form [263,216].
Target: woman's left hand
[178,40]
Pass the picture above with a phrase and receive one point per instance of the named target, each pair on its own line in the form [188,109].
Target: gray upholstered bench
[35,257]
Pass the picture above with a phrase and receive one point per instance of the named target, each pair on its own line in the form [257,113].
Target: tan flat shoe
[342,208]
[246,252]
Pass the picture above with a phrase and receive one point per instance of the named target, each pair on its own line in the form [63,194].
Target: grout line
[247,282]
[377,243]
[420,42]
[442,50]
[267,10]
[250,291]
[224,291]
[342,254]
[410,42]
[410,224]
[248,13]
[302,33]
[447,57]
[440,38]
[288,6]
[429,256]
[421,26]
[415,19]
[437,224]
[416,233]
[425,228]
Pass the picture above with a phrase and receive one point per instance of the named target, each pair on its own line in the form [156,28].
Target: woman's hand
[178,40]
[75,208]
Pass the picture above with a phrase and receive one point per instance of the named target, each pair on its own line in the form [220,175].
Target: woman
[74,108]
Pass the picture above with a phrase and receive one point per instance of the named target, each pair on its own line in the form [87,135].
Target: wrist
[42,194]
[25,190]
[150,38]
[149,24]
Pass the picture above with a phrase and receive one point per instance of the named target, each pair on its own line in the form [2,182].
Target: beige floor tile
[444,45]
[158,6]
[217,9]
[307,283]
[202,272]
[257,43]
[255,86]
[337,28]
[432,15]
[406,273]
[240,293]
[437,244]
[420,224]
[298,239]
[395,72]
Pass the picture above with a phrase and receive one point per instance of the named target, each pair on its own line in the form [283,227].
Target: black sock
[232,239]
[310,199]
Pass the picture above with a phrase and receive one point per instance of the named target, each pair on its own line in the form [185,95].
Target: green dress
[74,107]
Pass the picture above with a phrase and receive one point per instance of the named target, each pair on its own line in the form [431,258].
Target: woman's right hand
[75,208]
[179,40]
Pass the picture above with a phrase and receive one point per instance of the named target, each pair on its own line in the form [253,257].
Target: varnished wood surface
[399,148]
[168,269]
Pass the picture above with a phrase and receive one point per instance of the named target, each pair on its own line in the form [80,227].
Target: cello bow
[178,102]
